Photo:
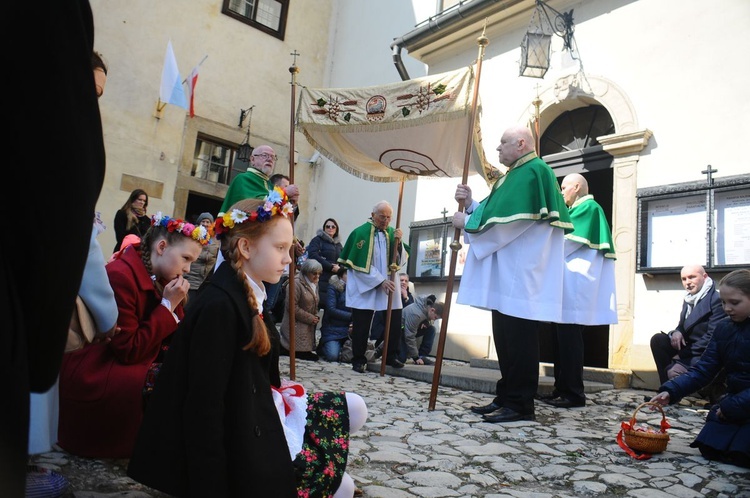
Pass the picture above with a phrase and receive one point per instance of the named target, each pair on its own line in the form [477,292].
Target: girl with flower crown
[104,387]
[221,422]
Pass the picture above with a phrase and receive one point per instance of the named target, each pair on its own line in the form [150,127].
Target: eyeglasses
[266,155]
[330,226]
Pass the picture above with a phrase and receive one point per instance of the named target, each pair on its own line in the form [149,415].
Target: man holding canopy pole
[515,267]
[369,255]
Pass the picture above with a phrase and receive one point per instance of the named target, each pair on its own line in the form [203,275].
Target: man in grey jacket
[417,320]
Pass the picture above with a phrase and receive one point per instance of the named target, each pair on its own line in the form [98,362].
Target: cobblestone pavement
[406,450]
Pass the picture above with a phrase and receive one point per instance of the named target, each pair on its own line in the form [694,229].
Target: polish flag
[192,80]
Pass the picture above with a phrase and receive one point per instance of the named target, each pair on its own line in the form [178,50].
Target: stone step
[483,377]
[619,379]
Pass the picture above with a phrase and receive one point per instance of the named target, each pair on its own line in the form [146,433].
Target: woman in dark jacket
[336,319]
[325,247]
[726,434]
[131,218]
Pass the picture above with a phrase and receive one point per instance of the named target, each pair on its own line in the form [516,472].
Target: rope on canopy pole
[294,70]
[392,273]
[455,245]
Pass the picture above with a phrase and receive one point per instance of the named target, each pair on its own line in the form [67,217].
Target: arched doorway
[569,145]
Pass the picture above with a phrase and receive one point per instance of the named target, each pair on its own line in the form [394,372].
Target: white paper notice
[677,231]
[732,215]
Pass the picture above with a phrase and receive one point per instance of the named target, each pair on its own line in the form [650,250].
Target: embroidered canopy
[396,131]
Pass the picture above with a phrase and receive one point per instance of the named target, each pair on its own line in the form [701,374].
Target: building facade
[659,84]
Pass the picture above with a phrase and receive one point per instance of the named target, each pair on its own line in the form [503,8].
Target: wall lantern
[245,150]
[535,48]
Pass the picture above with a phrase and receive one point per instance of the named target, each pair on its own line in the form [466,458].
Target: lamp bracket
[246,113]
[561,23]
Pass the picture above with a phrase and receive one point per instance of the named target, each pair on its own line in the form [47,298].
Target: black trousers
[664,353]
[361,322]
[568,354]
[517,347]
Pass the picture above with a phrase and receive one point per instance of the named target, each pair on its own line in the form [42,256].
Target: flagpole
[293,70]
[455,245]
[199,65]
[393,271]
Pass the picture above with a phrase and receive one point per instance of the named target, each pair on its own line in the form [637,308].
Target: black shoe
[306,355]
[427,361]
[359,368]
[394,363]
[544,397]
[563,402]
[481,410]
[506,415]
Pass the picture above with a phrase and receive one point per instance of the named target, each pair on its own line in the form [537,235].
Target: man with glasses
[255,182]
[368,253]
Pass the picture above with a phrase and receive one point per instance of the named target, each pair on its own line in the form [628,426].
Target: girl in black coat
[726,434]
[221,422]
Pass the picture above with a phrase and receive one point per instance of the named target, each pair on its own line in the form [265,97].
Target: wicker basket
[647,442]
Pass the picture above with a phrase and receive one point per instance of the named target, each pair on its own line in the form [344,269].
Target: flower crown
[275,203]
[198,233]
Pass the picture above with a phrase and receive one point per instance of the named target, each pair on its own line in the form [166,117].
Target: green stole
[357,251]
[529,191]
[252,184]
[591,227]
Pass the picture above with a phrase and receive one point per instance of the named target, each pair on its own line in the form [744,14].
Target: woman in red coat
[104,386]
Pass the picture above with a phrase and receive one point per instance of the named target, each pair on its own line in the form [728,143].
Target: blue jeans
[272,292]
[330,350]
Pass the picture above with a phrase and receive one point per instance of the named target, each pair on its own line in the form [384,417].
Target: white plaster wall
[679,62]
[360,56]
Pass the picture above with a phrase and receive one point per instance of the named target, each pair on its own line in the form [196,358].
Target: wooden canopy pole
[294,70]
[455,245]
[392,272]
[537,102]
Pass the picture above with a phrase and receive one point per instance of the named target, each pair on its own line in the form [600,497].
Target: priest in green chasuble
[255,183]
[514,267]
[588,289]
[369,255]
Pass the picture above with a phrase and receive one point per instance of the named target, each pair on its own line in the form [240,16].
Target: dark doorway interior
[569,145]
[198,204]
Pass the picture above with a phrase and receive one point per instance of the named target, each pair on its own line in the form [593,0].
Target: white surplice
[517,269]
[589,286]
[362,291]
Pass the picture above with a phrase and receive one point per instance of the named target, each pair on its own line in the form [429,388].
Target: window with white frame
[268,16]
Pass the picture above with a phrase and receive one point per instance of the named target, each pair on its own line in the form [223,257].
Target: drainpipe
[440,21]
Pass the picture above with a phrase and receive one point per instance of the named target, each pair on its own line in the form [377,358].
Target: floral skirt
[320,465]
